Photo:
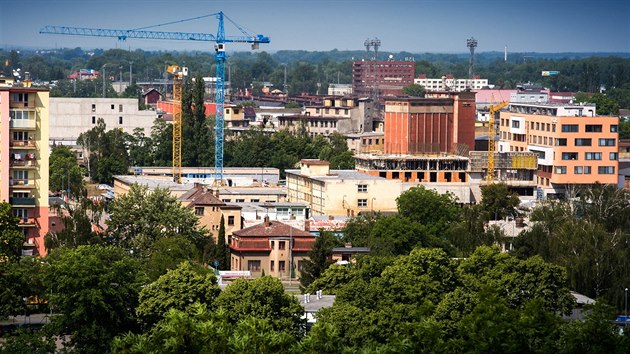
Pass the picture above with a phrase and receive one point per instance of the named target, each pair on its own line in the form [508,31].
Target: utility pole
[471,43]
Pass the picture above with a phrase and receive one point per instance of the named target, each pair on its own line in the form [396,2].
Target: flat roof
[153,183]
[223,191]
[409,157]
[340,174]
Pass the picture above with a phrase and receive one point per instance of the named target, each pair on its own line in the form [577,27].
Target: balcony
[22,201]
[18,104]
[27,222]
[24,163]
[25,183]
[28,144]
[23,123]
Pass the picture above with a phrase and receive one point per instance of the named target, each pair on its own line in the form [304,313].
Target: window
[569,155]
[362,188]
[231,220]
[93,119]
[606,170]
[593,128]
[578,170]
[593,155]
[587,170]
[582,142]
[281,266]
[570,128]
[113,106]
[362,203]
[561,142]
[271,266]
[561,170]
[537,126]
[614,128]
[613,156]
[282,245]
[240,200]
[199,211]
[516,124]
[120,120]
[119,108]
[548,126]
[273,244]
[606,142]
[255,200]
[20,136]
[93,107]
[253,265]
[553,128]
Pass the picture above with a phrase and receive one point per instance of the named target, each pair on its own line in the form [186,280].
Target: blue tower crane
[220,56]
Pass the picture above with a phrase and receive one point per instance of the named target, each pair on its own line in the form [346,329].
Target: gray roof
[351,250]
[339,174]
[249,191]
[153,183]
[316,304]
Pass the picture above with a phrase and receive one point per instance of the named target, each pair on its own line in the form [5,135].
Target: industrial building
[442,122]
[24,178]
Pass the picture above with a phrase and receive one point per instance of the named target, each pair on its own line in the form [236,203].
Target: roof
[197,196]
[316,304]
[341,174]
[582,299]
[351,250]
[272,229]
[153,183]
[314,162]
[151,90]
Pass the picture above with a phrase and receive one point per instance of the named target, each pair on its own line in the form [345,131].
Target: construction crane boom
[491,137]
[220,56]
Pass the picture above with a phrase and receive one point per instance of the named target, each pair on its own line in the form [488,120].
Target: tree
[65,173]
[19,280]
[319,258]
[178,289]
[222,254]
[497,201]
[107,151]
[425,206]
[167,253]
[414,90]
[263,298]
[27,342]
[140,218]
[11,238]
[77,226]
[94,289]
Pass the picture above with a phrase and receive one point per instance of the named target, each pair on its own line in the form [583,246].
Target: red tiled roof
[273,229]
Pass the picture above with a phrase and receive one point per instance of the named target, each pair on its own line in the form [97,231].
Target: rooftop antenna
[471,43]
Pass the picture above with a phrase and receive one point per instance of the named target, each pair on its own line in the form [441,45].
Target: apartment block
[575,146]
[450,83]
[24,155]
[386,77]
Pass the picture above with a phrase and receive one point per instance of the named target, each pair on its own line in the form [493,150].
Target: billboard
[550,73]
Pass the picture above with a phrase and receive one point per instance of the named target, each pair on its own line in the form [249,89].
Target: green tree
[222,254]
[94,289]
[319,258]
[178,289]
[107,151]
[425,206]
[77,226]
[497,201]
[27,342]
[139,218]
[19,280]
[65,173]
[11,238]
[167,253]
[414,90]
[263,298]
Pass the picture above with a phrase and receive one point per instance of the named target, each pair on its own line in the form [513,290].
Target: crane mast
[220,56]
[178,77]
[491,138]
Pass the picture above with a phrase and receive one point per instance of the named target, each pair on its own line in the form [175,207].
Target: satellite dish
[391,56]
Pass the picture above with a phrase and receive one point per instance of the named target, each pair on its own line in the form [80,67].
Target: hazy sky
[401,25]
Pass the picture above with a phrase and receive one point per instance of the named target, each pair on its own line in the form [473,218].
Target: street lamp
[626,303]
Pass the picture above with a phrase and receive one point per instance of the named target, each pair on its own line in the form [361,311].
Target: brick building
[389,77]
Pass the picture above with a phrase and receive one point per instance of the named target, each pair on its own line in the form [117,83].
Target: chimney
[216,192]
[331,217]
[307,225]
[267,222]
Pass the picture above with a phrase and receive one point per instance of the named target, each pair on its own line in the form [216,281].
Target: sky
[415,26]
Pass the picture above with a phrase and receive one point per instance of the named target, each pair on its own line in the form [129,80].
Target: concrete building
[69,117]
[388,77]
[233,176]
[575,147]
[442,122]
[364,143]
[340,192]
[450,83]
[24,122]
[272,247]
[209,209]
[343,115]
[339,89]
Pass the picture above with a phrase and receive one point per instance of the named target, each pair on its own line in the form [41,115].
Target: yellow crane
[178,74]
[491,136]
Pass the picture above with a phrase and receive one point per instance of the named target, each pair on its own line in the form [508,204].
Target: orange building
[575,146]
[442,122]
